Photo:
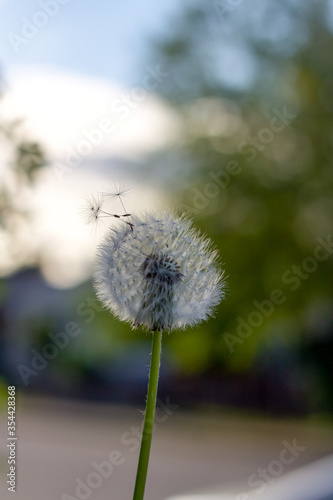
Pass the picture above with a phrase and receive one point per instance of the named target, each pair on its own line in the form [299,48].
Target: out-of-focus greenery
[277,199]
[3,394]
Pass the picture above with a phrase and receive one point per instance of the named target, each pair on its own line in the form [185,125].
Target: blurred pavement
[58,442]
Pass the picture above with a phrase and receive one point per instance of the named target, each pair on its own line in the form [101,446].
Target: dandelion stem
[149,417]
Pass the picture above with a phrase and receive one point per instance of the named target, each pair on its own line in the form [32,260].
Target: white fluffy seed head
[160,273]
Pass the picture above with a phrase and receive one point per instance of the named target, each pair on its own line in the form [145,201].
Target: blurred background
[221,109]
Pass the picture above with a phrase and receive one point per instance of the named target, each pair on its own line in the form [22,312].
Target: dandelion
[160,273]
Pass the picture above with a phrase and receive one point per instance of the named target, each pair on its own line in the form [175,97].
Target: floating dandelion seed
[94,210]
[117,190]
[161,275]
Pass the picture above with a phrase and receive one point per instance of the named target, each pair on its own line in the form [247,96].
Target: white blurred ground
[59,441]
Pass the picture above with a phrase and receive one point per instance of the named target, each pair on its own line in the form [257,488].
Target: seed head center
[161,269]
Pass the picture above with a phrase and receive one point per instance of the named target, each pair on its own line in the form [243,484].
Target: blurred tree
[251,83]
[20,161]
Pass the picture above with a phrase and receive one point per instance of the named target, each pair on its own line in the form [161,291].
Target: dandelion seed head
[160,273]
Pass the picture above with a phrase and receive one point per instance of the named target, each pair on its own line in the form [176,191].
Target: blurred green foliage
[255,156]
[3,394]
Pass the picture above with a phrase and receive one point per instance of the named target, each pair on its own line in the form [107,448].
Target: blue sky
[59,57]
[106,39]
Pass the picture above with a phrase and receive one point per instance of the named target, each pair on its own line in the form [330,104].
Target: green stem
[149,417]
